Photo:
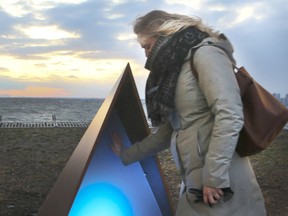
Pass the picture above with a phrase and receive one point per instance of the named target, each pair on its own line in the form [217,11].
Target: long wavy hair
[160,23]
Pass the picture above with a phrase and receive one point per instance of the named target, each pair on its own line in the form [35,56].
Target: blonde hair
[160,23]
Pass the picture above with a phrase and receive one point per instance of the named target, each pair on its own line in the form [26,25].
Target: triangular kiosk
[94,181]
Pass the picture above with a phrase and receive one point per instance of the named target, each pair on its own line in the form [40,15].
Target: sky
[79,48]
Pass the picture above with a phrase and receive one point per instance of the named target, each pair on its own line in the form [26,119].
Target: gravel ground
[32,159]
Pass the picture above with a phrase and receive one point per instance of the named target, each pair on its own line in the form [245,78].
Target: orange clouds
[35,91]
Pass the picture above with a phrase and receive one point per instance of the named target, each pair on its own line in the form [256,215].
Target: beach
[31,160]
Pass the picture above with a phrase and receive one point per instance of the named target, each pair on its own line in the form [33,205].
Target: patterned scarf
[165,62]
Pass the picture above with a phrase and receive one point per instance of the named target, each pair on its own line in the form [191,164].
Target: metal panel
[123,100]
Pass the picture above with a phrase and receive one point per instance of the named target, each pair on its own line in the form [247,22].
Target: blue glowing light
[110,188]
[101,199]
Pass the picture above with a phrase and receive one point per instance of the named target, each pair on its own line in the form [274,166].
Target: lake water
[42,109]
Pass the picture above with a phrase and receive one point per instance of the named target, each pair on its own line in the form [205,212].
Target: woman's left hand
[212,195]
[117,145]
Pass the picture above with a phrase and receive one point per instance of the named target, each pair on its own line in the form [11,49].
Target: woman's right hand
[117,145]
[212,195]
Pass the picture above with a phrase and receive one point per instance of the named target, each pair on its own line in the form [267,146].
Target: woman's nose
[146,52]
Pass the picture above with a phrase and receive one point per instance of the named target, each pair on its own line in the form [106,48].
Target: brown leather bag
[264,116]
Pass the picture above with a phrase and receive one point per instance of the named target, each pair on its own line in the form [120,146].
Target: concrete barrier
[43,124]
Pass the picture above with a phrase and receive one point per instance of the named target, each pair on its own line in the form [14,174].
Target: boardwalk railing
[43,124]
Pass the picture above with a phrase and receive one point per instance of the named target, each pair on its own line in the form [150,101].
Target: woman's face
[147,44]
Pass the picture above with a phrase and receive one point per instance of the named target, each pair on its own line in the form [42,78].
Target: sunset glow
[78,48]
[36,92]
[46,32]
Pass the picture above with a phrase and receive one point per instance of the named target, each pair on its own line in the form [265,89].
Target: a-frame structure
[94,175]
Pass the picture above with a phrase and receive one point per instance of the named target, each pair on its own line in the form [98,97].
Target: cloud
[59,88]
[46,32]
[41,65]
[196,4]
[3,70]
[68,40]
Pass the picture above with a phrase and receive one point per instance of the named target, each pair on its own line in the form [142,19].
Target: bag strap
[195,73]
[193,51]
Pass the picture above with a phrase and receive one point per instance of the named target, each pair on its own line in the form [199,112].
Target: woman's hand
[117,145]
[212,195]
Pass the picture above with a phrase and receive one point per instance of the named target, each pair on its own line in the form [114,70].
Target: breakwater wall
[42,124]
[47,124]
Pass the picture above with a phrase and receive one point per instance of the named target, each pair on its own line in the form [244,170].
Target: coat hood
[221,42]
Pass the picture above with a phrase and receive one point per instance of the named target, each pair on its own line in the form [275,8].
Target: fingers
[212,195]
[117,143]
[116,137]
[210,198]
[116,149]
[220,192]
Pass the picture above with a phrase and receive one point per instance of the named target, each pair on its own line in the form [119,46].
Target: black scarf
[165,62]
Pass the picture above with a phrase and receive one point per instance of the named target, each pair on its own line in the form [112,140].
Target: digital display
[110,188]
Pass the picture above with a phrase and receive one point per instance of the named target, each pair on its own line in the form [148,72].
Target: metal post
[54,120]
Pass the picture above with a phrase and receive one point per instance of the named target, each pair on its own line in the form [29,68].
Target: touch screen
[110,188]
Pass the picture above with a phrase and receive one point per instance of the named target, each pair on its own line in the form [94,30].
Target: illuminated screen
[111,189]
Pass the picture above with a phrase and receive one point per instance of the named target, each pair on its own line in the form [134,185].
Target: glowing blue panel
[111,189]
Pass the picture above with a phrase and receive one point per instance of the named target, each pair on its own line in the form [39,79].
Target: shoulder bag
[264,116]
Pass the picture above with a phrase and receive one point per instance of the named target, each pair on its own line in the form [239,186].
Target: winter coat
[203,134]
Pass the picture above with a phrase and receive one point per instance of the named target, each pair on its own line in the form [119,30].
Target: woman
[198,113]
